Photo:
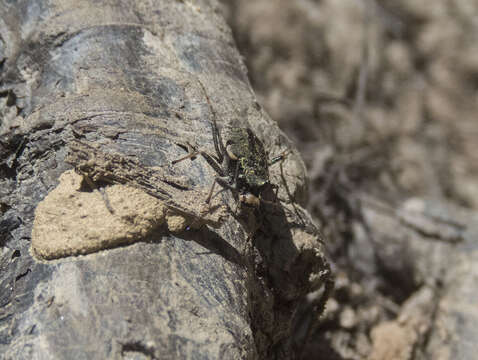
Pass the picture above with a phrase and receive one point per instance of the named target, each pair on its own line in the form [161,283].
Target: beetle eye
[230,153]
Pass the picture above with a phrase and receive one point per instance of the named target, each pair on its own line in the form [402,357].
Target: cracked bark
[125,77]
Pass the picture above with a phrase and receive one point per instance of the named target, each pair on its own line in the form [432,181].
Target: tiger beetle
[241,162]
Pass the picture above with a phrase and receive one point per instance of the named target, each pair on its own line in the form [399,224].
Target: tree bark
[144,269]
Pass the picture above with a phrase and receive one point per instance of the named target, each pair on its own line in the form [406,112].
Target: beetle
[241,162]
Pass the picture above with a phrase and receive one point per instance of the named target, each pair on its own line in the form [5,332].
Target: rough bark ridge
[125,78]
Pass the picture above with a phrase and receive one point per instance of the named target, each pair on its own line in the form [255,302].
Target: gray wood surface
[124,77]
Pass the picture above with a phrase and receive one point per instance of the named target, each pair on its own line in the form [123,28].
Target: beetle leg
[214,164]
[211,159]
[223,181]
[276,188]
[208,199]
[192,152]
[218,144]
[236,174]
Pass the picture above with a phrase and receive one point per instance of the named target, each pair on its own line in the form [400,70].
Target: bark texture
[126,79]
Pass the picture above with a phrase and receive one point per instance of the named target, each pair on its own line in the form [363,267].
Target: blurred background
[381,99]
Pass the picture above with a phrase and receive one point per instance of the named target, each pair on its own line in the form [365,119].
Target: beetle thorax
[244,146]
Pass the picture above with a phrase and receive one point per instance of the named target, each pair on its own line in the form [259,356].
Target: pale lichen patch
[72,222]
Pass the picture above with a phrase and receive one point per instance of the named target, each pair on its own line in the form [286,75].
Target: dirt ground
[381,98]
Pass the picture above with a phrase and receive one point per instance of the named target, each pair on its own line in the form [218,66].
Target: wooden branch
[125,78]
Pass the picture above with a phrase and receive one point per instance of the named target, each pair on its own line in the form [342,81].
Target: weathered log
[137,271]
